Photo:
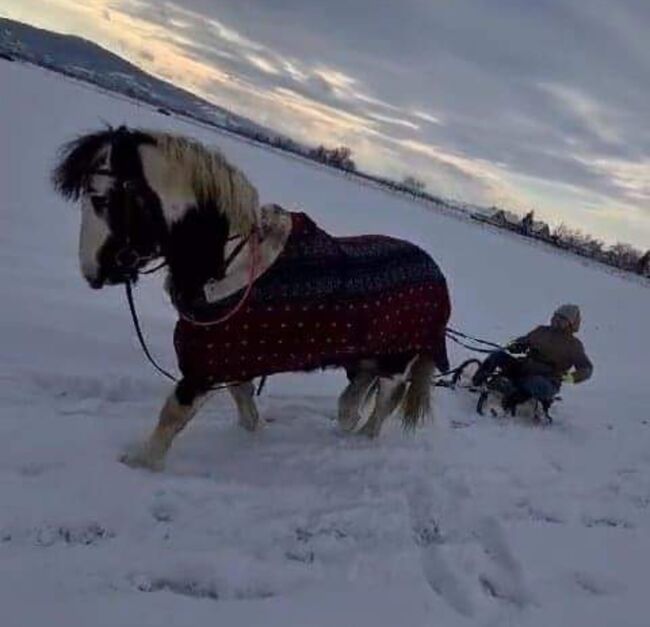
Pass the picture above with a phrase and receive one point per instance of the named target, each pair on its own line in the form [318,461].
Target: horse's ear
[76,162]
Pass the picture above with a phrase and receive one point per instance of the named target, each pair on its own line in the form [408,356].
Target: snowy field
[472,521]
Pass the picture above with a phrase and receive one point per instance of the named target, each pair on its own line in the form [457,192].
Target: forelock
[76,161]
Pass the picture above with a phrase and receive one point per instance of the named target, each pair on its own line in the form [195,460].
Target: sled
[491,394]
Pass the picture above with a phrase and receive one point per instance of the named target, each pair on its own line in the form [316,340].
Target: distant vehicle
[164,111]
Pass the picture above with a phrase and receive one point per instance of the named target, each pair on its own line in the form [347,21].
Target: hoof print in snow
[612,523]
[427,534]
[539,515]
[188,587]
[489,587]
[305,535]
[597,585]
[35,469]
[83,535]
[197,589]
[303,556]
[163,512]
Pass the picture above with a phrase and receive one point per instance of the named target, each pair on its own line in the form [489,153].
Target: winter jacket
[551,352]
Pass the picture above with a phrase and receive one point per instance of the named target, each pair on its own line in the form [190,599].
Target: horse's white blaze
[94,229]
[92,236]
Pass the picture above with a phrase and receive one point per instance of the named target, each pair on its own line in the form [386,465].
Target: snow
[472,521]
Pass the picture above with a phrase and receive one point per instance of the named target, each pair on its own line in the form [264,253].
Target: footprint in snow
[598,585]
[608,522]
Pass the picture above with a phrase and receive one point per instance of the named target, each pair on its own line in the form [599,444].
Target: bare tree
[414,184]
[624,256]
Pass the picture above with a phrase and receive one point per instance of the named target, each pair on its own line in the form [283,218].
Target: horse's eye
[100,204]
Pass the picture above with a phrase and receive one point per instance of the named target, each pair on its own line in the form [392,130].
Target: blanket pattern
[325,302]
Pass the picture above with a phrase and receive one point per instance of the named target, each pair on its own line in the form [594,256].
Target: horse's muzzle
[95,283]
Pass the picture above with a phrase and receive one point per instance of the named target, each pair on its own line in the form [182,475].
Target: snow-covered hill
[469,522]
[85,60]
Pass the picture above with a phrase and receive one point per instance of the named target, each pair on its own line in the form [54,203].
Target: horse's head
[146,194]
[122,225]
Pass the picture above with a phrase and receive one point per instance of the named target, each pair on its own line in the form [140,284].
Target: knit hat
[568,313]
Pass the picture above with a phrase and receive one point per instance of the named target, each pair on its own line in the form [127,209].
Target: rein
[128,286]
[458,337]
[138,329]
[254,240]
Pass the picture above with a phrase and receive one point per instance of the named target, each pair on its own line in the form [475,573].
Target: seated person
[549,355]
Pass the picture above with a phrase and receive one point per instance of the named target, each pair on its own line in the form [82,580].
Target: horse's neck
[274,229]
[195,253]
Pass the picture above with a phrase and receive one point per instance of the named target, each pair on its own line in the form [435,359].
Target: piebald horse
[149,195]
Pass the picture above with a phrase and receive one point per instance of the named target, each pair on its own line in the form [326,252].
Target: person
[551,355]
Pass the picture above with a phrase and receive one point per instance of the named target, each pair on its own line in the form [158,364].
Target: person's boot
[480,376]
[511,400]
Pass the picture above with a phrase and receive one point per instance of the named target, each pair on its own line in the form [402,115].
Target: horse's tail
[416,405]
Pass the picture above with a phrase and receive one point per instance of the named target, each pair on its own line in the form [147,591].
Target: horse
[258,289]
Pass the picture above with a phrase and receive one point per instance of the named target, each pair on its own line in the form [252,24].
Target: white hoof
[251,422]
[370,431]
[348,421]
[142,456]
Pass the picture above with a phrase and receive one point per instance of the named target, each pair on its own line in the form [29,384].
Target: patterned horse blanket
[325,302]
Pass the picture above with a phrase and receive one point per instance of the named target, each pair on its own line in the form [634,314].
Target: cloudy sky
[526,104]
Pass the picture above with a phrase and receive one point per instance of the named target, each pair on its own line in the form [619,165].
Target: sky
[526,105]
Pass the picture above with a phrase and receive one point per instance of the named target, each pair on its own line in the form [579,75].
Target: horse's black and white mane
[148,194]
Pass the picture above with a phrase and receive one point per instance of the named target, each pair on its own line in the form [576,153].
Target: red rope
[254,247]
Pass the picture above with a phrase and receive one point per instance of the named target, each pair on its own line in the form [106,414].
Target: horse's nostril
[94,282]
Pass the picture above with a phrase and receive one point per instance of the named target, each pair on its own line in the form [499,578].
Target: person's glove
[516,347]
[568,378]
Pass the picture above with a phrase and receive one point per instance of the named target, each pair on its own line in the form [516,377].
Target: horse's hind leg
[350,401]
[243,397]
[178,410]
[417,401]
[389,396]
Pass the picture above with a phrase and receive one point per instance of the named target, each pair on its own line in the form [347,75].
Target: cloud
[393,121]
[586,110]
[631,177]
[263,64]
[517,102]
[427,117]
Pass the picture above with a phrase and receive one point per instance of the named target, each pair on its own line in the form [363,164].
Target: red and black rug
[325,302]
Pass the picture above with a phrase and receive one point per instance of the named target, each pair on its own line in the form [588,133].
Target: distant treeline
[620,255]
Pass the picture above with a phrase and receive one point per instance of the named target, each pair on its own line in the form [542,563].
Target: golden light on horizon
[315,103]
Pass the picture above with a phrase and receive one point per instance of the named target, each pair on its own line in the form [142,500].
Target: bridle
[128,259]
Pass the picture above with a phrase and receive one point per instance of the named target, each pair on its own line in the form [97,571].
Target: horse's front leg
[178,410]
[243,394]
